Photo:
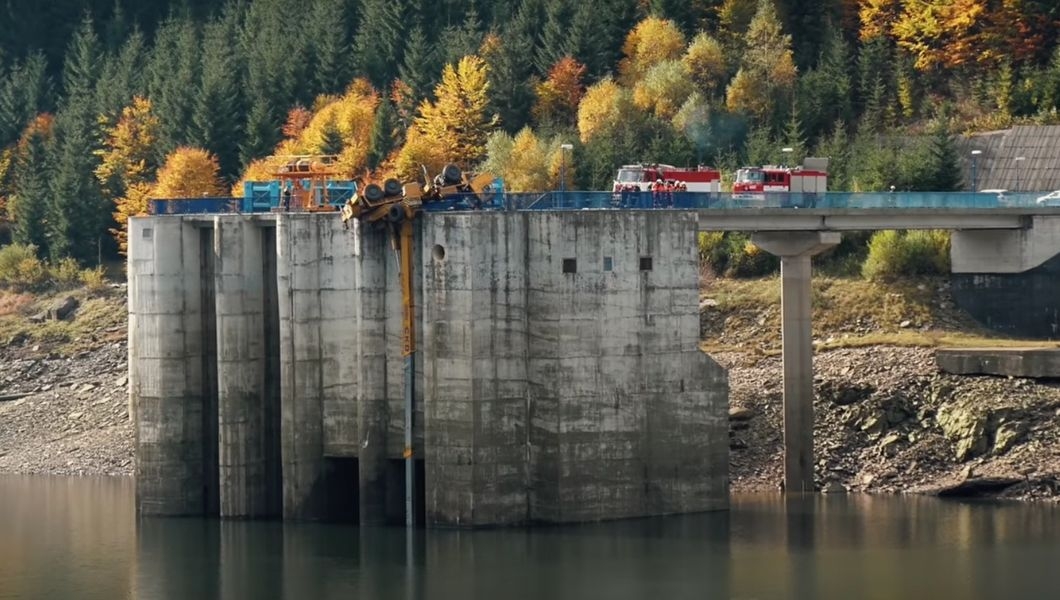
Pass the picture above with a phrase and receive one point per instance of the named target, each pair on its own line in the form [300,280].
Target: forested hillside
[105,103]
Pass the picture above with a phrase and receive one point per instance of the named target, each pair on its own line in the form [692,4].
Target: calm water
[79,538]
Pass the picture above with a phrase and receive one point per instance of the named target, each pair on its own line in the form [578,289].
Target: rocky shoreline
[886,421]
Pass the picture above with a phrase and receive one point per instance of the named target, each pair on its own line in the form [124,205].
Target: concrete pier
[558,380]
[796,249]
[165,365]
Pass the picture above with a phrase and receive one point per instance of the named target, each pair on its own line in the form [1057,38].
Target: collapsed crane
[395,206]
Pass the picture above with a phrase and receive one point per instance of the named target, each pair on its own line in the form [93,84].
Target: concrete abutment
[558,373]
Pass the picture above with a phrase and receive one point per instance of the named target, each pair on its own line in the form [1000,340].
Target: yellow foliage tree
[877,17]
[343,127]
[664,88]
[705,61]
[188,173]
[651,41]
[527,165]
[128,147]
[604,103]
[132,204]
[457,120]
[767,72]
[419,151]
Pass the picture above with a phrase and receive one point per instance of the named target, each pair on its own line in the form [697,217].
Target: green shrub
[93,279]
[748,260]
[712,250]
[732,254]
[66,273]
[20,268]
[894,254]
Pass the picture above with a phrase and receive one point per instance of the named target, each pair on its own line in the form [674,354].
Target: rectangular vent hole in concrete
[570,265]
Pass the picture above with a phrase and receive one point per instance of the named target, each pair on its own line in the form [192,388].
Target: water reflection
[79,538]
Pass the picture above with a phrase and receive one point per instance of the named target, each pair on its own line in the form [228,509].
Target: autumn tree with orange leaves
[558,95]
[188,173]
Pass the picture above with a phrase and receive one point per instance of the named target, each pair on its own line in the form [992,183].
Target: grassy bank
[744,315]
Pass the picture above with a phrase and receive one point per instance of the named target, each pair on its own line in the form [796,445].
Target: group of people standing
[662,192]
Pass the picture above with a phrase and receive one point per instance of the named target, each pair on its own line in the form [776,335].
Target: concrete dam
[558,380]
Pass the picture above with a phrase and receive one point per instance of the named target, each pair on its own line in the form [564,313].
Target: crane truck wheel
[373,193]
[396,213]
[451,173]
[392,187]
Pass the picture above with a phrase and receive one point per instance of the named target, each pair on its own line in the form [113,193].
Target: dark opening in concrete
[271,401]
[210,468]
[645,263]
[608,264]
[439,252]
[570,265]
[342,484]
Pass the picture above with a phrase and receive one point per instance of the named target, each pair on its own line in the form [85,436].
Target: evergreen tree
[173,75]
[380,39]
[825,91]
[419,67]
[330,47]
[463,39]
[262,133]
[122,77]
[31,179]
[217,110]
[946,176]
[511,88]
[76,216]
[556,41]
[24,92]
[332,142]
[383,138]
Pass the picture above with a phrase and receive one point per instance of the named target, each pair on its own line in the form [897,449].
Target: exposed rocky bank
[886,420]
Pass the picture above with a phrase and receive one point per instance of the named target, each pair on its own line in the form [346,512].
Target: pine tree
[511,88]
[217,111]
[380,39]
[122,77]
[173,72]
[556,35]
[76,216]
[419,67]
[460,40]
[24,92]
[332,142]
[31,178]
[383,134]
[330,46]
[262,133]
[946,176]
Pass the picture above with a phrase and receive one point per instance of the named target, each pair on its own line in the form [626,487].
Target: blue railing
[576,200]
[193,206]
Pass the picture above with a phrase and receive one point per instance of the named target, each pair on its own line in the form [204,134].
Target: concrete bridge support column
[795,250]
[242,427]
[166,355]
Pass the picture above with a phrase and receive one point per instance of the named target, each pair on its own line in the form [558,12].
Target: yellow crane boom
[397,205]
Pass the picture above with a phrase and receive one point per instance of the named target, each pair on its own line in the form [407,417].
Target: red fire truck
[638,178]
[752,183]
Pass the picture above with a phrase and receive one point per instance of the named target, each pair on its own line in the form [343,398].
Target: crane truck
[396,206]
